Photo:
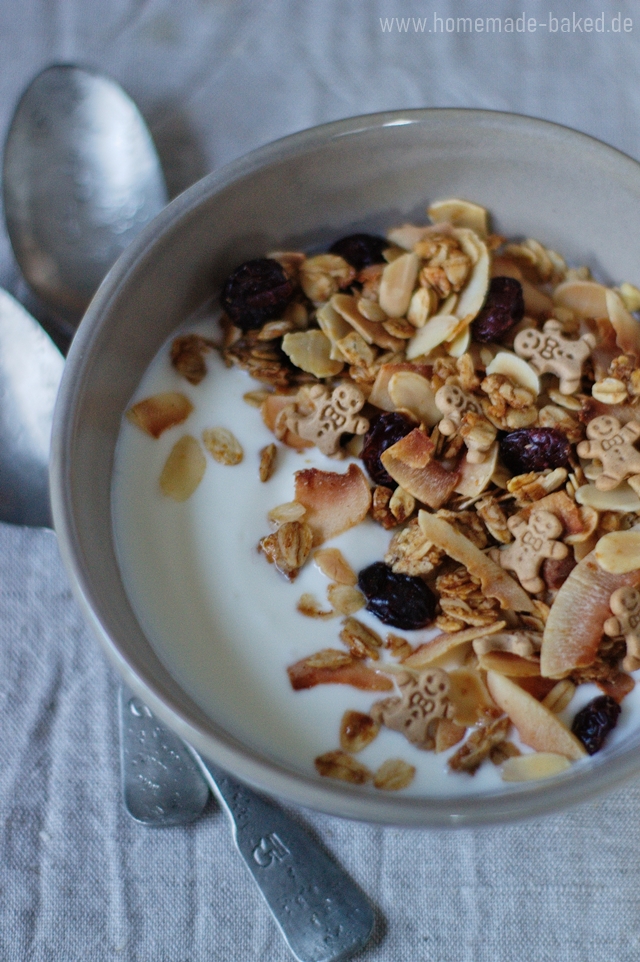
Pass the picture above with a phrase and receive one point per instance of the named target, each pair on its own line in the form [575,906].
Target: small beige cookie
[331,414]
[625,620]
[423,699]
[548,351]
[613,445]
[535,540]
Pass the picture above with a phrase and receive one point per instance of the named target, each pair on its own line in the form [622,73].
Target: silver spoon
[321,913]
[81,177]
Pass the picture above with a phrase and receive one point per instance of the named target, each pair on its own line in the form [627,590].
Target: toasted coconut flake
[160,412]
[337,764]
[394,775]
[584,298]
[397,284]
[622,499]
[496,583]
[432,651]
[357,730]
[408,463]
[460,213]
[538,727]
[619,552]
[345,599]
[222,445]
[334,502]
[311,352]
[183,470]
[469,696]
[534,767]
[571,642]
[626,327]
[271,407]
[439,328]
[332,667]
[516,369]
[332,563]
[413,392]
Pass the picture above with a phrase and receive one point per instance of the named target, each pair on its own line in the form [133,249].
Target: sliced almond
[630,296]
[424,303]
[448,734]
[222,445]
[334,326]
[397,284]
[534,767]
[183,470]
[311,352]
[538,727]
[560,696]
[622,499]
[160,412]
[517,370]
[413,392]
[289,511]
[619,552]
[394,775]
[345,599]
[496,583]
[473,294]
[334,502]
[322,275]
[460,343]
[574,627]
[475,478]
[439,328]
[513,666]
[626,327]
[371,310]
[408,235]
[379,395]
[332,563]
[357,730]
[460,213]
[585,298]
[372,331]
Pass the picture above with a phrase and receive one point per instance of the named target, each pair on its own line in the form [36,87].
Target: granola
[508,480]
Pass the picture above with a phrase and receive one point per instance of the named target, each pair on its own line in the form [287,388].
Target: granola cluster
[492,395]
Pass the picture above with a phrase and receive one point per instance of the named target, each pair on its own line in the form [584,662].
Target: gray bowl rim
[271,777]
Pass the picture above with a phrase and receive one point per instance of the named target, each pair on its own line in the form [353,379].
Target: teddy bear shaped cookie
[323,416]
[423,698]
[535,540]
[548,351]
[612,444]
[625,620]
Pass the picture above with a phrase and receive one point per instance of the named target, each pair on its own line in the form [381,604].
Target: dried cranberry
[398,600]
[257,291]
[360,250]
[594,722]
[535,449]
[384,431]
[502,310]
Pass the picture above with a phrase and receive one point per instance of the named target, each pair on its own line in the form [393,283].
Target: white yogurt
[221,619]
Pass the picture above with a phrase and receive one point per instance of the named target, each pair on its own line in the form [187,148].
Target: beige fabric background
[80,880]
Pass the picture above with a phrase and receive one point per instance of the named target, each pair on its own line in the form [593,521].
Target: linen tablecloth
[78,878]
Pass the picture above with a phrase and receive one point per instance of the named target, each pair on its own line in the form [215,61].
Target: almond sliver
[619,552]
[183,470]
[460,213]
[439,328]
[533,767]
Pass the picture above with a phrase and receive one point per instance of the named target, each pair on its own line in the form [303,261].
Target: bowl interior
[574,194]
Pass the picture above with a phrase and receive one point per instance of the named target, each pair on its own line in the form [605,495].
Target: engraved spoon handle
[321,913]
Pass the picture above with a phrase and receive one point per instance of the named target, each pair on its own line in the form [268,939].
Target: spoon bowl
[81,178]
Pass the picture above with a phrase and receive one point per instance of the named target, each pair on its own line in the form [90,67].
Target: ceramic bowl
[577,195]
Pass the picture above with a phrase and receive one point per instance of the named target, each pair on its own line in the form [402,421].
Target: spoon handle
[322,914]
